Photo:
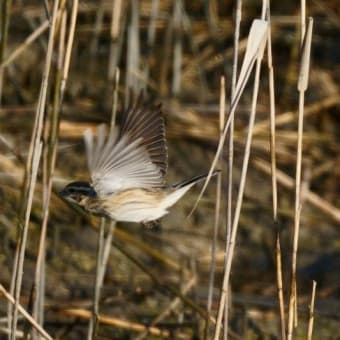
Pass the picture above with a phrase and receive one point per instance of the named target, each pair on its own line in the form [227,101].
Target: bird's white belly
[136,205]
[136,214]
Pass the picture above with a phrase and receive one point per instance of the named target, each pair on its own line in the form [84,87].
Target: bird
[128,167]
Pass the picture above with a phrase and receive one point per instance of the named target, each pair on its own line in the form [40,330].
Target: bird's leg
[155,225]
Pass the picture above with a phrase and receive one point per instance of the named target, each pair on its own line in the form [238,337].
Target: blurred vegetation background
[177,51]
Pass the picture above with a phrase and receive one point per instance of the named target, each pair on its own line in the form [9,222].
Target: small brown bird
[128,168]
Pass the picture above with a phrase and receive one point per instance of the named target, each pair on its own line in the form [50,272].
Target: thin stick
[272,114]
[302,87]
[289,116]
[238,18]
[98,283]
[302,20]
[112,223]
[104,244]
[19,264]
[177,58]
[280,288]
[311,197]
[5,7]
[133,50]
[26,315]
[112,321]
[28,41]
[69,45]
[217,209]
[115,99]
[47,10]
[107,248]
[234,228]
[311,313]
[114,34]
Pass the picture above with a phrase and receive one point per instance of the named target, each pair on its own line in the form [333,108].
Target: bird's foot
[155,225]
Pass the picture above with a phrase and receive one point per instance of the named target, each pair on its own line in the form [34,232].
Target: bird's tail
[190,182]
[179,189]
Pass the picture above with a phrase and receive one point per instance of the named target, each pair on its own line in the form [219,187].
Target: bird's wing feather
[145,121]
[130,157]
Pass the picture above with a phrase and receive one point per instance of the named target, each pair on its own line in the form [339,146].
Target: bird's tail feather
[179,189]
[193,180]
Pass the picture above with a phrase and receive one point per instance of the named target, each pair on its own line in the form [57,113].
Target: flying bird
[128,168]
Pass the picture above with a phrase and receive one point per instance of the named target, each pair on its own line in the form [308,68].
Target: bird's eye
[71,190]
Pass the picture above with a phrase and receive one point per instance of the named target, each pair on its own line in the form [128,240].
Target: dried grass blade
[302,87]
[311,313]
[26,315]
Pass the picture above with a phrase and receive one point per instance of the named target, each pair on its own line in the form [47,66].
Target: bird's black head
[76,191]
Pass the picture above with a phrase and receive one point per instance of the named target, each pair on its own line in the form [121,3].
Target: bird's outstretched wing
[134,155]
[141,120]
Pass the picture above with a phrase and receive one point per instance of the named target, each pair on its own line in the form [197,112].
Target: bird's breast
[134,205]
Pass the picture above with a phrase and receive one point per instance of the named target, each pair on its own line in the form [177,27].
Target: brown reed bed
[258,257]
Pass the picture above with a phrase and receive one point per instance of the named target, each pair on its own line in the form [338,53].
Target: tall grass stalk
[93,321]
[68,51]
[49,157]
[64,56]
[302,87]
[279,283]
[272,112]
[32,170]
[5,7]
[114,35]
[133,51]
[238,18]
[217,218]
[311,313]
[25,314]
[263,26]
[104,244]
[177,53]
[21,247]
